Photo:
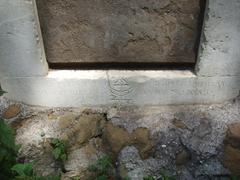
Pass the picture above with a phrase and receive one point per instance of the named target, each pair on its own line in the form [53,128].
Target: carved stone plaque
[102,31]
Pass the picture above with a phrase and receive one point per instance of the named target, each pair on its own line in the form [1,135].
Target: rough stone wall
[87,31]
[190,142]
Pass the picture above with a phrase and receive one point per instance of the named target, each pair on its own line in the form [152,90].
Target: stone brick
[119,31]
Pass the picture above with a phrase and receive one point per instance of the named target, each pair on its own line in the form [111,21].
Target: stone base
[189,141]
[67,88]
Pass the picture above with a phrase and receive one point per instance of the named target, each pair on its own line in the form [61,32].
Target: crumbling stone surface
[120,31]
[80,159]
[188,142]
[136,167]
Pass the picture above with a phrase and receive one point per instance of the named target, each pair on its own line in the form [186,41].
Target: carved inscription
[190,88]
[120,89]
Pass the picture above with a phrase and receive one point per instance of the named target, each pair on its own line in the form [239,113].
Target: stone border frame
[26,77]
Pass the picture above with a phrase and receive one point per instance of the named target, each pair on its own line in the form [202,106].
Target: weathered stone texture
[119,31]
[12,111]
[232,148]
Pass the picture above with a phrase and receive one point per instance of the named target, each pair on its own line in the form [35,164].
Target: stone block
[120,31]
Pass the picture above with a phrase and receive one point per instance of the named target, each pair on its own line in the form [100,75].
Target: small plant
[59,152]
[234,177]
[166,177]
[23,171]
[2,91]
[8,150]
[26,172]
[149,178]
[102,168]
[9,168]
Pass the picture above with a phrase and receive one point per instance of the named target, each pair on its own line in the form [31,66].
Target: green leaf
[23,169]
[166,177]
[149,178]
[103,177]
[59,150]
[3,154]
[48,178]
[54,142]
[102,168]
[7,138]
[104,164]
[2,91]
[24,178]
[56,153]
[63,157]
[92,168]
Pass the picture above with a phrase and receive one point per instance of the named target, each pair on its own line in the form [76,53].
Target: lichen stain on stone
[183,157]
[179,124]
[12,111]
[232,148]
[117,138]
[232,159]
[79,130]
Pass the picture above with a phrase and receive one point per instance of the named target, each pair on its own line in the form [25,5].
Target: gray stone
[219,48]
[157,119]
[135,166]
[89,88]
[119,31]
[211,168]
[204,128]
[21,48]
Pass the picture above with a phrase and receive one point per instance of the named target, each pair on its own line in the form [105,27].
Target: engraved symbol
[120,89]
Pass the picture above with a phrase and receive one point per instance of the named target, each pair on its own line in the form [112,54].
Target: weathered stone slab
[120,31]
[219,53]
[21,48]
[93,88]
